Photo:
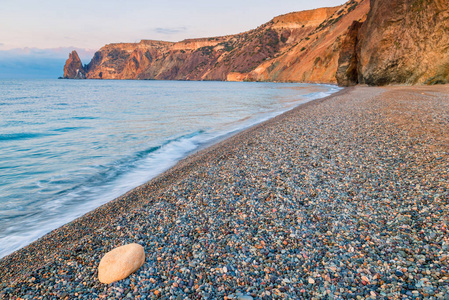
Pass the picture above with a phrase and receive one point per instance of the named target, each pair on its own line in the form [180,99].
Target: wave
[68,129]
[22,136]
[84,118]
[113,180]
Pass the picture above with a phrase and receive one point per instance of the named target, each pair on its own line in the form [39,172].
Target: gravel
[342,198]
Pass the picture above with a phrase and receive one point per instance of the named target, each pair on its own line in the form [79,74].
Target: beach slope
[343,196]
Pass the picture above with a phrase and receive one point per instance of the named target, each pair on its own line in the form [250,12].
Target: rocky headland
[369,42]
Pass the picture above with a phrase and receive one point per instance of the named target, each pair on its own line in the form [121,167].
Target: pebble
[120,262]
[245,298]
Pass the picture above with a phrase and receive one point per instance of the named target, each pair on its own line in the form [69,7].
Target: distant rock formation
[373,42]
[73,68]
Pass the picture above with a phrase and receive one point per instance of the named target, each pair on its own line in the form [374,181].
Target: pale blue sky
[94,23]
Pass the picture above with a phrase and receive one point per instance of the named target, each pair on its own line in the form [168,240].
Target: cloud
[170,31]
[1,44]
[38,63]
[53,53]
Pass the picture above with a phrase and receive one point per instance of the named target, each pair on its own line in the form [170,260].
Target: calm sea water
[67,146]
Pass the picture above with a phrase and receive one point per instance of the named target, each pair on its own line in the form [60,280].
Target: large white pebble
[120,262]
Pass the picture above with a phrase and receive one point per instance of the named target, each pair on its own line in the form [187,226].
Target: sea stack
[73,68]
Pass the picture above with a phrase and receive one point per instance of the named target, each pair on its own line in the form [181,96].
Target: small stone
[311,280]
[399,273]
[364,278]
[120,262]
[246,297]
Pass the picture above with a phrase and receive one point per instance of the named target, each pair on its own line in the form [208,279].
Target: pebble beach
[346,197]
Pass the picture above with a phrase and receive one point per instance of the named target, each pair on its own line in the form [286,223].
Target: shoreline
[136,193]
[340,126]
[116,169]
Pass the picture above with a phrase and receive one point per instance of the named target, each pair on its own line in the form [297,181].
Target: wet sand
[342,197]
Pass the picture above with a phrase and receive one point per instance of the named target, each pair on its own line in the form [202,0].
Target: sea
[69,146]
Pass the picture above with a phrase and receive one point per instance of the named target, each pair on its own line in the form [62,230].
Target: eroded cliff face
[347,71]
[315,57]
[300,46]
[374,42]
[405,42]
[201,59]
[401,42]
[73,68]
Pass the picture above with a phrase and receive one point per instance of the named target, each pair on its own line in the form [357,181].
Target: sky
[51,28]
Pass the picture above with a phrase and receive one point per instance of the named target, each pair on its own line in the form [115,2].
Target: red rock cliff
[374,42]
[401,42]
[314,58]
[300,46]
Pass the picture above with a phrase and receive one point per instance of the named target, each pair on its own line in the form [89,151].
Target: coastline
[129,200]
[96,232]
[127,158]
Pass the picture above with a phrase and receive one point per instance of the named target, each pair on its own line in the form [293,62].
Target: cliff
[373,42]
[401,42]
[314,58]
[347,71]
[405,42]
[299,46]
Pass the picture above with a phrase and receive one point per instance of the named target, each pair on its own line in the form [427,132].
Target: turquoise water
[67,146]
